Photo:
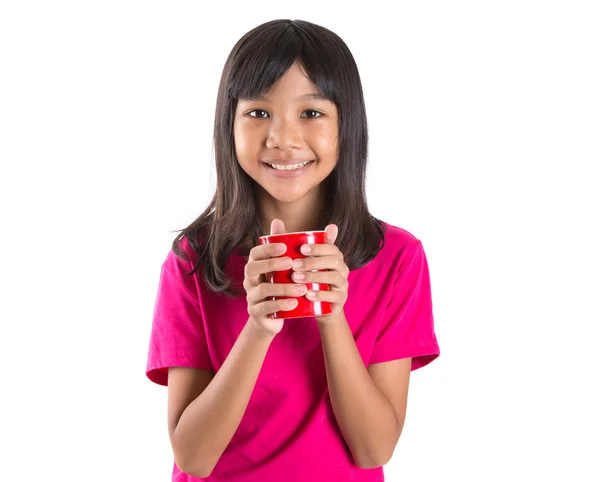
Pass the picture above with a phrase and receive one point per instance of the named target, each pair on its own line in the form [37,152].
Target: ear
[332,232]
[277,226]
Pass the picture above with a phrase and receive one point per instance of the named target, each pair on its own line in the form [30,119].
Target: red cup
[294,241]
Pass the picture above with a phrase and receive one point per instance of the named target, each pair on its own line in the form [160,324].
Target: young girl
[252,398]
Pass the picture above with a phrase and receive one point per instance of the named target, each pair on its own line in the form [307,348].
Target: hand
[326,256]
[264,259]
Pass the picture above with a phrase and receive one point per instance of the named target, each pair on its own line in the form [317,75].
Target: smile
[290,167]
[292,170]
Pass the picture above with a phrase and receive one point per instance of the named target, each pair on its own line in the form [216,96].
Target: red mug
[294,241]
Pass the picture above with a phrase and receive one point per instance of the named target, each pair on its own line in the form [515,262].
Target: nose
[284,134]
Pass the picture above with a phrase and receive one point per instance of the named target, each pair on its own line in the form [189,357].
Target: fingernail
[291,302]
[286,261]
[305,249]
[300,288]
[297,263]
[281,248]
[299,276]
[311,294]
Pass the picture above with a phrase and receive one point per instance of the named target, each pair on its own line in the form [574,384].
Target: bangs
[264,57]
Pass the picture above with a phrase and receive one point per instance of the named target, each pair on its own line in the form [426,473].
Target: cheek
[327,141]
[246,139]
[242,141]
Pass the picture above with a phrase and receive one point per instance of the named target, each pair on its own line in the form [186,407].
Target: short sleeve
[177,337]
[407,328]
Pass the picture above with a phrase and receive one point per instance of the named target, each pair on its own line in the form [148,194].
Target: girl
[323,398]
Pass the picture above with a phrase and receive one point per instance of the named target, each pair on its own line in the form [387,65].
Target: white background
[484,132]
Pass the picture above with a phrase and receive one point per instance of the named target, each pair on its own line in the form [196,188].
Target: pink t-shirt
[289,431]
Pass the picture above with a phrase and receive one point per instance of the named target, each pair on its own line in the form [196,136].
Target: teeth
[290,167]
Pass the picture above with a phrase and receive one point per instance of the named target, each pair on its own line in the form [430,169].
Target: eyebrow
[311,96]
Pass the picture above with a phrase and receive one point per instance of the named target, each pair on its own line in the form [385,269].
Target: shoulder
[181,265]
[401,248]
[399,242]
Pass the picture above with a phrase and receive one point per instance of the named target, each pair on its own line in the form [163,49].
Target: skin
[369,403]
[281,126]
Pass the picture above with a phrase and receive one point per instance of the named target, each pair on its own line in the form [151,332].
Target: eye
[256,110]
[314,112]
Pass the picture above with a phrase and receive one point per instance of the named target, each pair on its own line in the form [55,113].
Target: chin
[287,197]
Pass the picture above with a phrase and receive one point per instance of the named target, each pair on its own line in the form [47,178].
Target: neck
[301,215]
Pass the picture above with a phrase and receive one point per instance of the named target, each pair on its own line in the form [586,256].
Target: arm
[205,411]
[369,404]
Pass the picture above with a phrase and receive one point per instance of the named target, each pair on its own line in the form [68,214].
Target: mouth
[292,170]
[288,167]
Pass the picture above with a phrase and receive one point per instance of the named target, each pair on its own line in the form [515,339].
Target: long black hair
[256,62]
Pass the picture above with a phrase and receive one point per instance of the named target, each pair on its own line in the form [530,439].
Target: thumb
[332,233]
[277,226]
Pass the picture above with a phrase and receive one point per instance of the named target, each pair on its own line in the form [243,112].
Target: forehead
[299,98]
[293,85]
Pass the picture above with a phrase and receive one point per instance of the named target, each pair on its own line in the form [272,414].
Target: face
[287,127]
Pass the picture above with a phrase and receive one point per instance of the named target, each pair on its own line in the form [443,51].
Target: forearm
[366,418]
[208,424]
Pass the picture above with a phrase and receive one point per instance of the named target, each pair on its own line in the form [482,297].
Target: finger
[277,226]
[332,232]
[320,262]
[333,278]
[320,250]
[266,290]
[254,270]
[267,307]
[265,251]
[332,296]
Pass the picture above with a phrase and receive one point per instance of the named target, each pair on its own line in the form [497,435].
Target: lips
[288,173]
[286,162]
[306,164]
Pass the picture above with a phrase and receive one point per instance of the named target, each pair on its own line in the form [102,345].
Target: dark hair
[255,63]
